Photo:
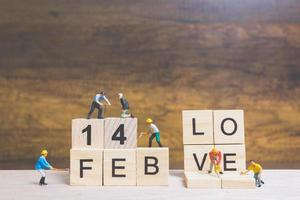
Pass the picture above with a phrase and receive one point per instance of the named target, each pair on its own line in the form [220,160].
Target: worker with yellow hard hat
[153,132]
[41,165]
[215,161]
[257,170]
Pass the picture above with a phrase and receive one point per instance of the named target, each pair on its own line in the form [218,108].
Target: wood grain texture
[237,181]
[199,180]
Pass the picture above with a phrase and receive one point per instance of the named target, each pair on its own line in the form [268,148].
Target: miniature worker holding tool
[99,103]
[125,107]
[257,170]
[215,159]
[41,165]
[153,132]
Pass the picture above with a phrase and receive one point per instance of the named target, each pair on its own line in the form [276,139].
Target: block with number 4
[120,133]
[88,133]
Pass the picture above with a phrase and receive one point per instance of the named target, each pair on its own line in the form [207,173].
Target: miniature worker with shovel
[153,132]
[215,160]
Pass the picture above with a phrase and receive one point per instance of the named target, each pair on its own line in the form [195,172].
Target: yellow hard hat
[44,152]
[149,120]
[214,150]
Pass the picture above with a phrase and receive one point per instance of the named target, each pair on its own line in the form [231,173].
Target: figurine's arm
[107,100]
[244,172]
[46,164]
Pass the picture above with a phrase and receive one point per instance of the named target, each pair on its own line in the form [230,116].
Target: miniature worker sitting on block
[99,103]
[215,160]
[153,132]
[41,165]
[257,170]
[125,107]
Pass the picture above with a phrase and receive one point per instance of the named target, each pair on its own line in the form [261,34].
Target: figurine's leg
[150,139]
[211,166]
[100,112]
[157,137]
[91,110]
[43,175]
[258,179]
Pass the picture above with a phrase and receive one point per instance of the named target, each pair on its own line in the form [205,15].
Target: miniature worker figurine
[257,170]
[215,160]
[41,165]
[99,103]
[125,106]
[153,132]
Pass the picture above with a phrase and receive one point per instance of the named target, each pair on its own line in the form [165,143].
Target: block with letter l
[85,167]
[152,166]
[197,126]
[88,133]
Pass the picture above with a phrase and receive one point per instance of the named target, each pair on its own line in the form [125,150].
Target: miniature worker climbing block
[204,129]
[119,167]
[86,166]
[120,133]
[152,166]
[88,133]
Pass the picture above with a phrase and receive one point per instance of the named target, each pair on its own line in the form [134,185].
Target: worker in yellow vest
[257,170]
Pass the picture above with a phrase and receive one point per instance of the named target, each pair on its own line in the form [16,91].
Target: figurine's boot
[44,181]
[159,144]
[41,181]
[262,182]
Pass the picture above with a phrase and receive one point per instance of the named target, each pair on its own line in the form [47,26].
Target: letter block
[229,127]
[237,181]
[120,133]
[233,157]
[85,167]
[88,133]
[197,126]
[152,166]
[119,167]
[196,158]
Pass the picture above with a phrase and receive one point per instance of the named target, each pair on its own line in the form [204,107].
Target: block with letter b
[152,166]
[229,127]
[197,126]
[88,133]
[86,167]
[120,133]
[119,167]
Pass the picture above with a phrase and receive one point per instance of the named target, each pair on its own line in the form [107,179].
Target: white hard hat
[120,95]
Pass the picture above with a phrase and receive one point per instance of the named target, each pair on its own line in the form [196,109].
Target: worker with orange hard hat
[215,161]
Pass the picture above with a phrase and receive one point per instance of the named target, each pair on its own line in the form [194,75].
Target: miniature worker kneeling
[41,165]
[215,160]
[257,170]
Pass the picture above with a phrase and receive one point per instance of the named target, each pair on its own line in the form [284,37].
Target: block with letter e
[85,167]
[229,127]
[120,133]
[119,167]
[197,126]
[152,166]
[88,133]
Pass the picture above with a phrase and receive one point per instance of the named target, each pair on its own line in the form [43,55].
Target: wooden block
[196,158]
[229,127]
[120,133]
[237,181]
[200,180]
[233,157]
[119,167]
[88,133]
[85,167]
[197,126]
[152,166]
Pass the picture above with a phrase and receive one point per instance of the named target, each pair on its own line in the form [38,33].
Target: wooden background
[164,55]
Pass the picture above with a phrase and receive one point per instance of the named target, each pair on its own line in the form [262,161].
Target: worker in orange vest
[215,157]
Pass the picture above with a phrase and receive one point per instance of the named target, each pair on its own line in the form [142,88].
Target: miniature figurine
[153,132]
[257,170]
[125,107]
[99,103]
[41,165]
[215,160]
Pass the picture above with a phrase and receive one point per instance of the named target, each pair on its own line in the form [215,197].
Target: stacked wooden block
[104,152]
[224,129]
